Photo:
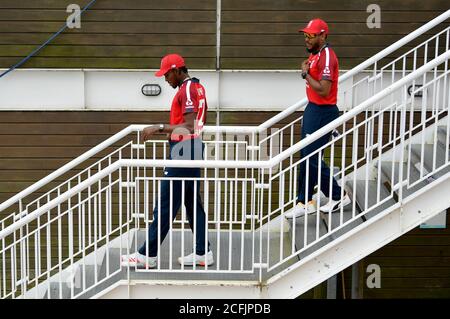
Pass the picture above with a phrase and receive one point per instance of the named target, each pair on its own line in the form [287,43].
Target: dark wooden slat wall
[113,34]
[263,34]
[34,144]
[416,265]
[255,34]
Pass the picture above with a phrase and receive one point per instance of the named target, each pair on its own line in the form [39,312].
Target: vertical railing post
[23,259]
[402,145]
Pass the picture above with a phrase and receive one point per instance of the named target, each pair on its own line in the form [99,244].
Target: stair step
[241,245]
[429,158]
[338,219]
[391,172]
[313,226]
[413,174]
[442,136]
[84,282]
[238,238]
[54,290]
[79,283]
[359,193]
[83,286]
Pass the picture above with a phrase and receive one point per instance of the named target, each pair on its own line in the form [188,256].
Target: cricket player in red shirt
[321,72]
[187,117]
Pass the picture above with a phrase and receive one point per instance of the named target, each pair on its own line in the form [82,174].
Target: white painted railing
[241,208]
[370,174]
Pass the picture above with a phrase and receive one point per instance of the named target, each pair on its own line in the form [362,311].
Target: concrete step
[237,264]
[303,235]
[443,136]
[391,173]
[234,264]
[433,159]
[238,258]
[309,231]
[367,193]
[83,279]
[87,273]
[54,291]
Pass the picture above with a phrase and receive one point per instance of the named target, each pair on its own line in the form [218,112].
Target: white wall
[42,89]
[121,90]
[34,89]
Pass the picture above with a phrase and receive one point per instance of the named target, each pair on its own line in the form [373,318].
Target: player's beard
[313,49]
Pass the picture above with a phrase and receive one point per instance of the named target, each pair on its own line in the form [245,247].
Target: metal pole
[218,29]
[356,285]
[331,287]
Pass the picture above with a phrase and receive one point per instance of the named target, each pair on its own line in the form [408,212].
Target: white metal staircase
[65,240]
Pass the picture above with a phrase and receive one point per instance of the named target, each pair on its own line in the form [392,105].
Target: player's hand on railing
[148,132]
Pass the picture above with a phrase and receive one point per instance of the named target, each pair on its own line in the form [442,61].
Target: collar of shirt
[184,81]
[320,50]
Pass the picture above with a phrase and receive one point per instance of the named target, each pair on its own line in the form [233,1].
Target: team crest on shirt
[326,71]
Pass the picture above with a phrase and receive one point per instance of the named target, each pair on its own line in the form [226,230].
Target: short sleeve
[327,65]
[189,98]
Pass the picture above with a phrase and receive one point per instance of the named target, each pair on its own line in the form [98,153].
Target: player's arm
[322,87]
[185,128]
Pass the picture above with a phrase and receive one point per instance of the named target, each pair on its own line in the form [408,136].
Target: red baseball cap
[315,26]
[170,61]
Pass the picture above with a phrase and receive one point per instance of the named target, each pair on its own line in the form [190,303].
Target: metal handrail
[230,164]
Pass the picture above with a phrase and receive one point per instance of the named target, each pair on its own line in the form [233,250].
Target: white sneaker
[138,260]
[199,260]
[300,209]
[334,205]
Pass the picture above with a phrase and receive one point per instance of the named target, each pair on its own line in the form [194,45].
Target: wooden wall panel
[416,265]
[254,34]
[264,34]
[113,34]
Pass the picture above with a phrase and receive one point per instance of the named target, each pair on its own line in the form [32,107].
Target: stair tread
[78,282]
[442,135]
[430,160]
[413,174]
[391,172]
[298,230]
[359,193]
[236,236]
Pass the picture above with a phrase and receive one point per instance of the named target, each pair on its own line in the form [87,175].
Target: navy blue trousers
[314,118]
[189,149]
